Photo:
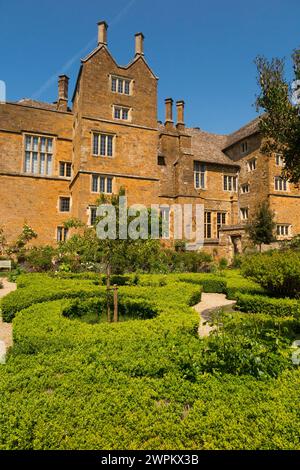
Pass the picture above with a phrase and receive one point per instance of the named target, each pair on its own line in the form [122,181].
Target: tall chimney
[169,112]
[102,33]
[139,44]
[180,115]
[63,93]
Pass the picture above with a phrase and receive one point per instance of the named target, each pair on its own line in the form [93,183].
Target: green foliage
[45,289]
[188,261]
[280,124]
[41,258]
[277,272]
[144,384]
[19,247]
[15,273]
[258,346]
[223,263]
[261,228]
[272,306]
[94,310]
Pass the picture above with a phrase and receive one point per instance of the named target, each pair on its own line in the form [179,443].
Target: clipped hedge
[209,282]
[148,384]
[268,305]
[95,309]
[42,292]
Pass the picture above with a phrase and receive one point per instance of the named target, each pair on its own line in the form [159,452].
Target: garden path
[209,303]
[6,328]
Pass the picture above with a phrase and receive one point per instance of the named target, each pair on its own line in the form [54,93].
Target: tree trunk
[116,315]
[108,271]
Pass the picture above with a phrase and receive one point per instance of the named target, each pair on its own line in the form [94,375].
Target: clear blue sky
[202,50]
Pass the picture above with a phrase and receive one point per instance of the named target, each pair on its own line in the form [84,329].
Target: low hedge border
[268,305]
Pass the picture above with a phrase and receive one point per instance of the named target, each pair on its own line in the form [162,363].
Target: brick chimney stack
[102,33]
[139,44]
[63,93]
[180,115]
[169,113]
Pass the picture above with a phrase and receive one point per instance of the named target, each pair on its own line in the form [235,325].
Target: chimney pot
[139,44]
[102,33]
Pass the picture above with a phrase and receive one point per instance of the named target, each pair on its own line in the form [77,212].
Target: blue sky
[202,50]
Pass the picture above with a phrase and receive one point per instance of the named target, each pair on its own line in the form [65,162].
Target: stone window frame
[251,164]
[91,208]
[243,186]
[279,159]
[234,184]
[202,174]
[106,178]
[165,216]
[123,79]
[59,204]
[244,213]
[285,227]
[219,221]
[99,134]
[122,108]
[63,231]
[208,225]
[281,181]
[65,164]
[39,153]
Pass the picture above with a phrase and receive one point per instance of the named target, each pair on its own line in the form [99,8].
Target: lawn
[147,382]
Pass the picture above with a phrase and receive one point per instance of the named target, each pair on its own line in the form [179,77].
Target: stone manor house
[56,158]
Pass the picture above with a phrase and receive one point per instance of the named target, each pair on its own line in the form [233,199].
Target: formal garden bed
[75,381]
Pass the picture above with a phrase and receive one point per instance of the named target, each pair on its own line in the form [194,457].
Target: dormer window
[120,85]
[244,147]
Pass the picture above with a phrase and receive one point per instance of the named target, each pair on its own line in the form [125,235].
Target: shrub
[15,273]
[278,272]
[209,282]
[223,263]
[268,305]
[40,258]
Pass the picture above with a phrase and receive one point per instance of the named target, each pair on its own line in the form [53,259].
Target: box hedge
[271,306]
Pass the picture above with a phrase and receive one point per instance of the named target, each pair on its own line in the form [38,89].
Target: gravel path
[209,303]
[6,328]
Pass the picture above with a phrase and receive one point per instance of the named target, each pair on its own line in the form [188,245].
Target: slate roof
[251,128]
[208,147]
[37,104]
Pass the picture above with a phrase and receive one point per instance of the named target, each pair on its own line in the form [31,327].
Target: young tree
[280,124]
[2,241]
[18,248]
[261,228]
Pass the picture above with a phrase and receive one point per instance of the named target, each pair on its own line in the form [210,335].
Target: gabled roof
[251,128]
[126,67]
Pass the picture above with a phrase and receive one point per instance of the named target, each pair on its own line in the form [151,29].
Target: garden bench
[5,264]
